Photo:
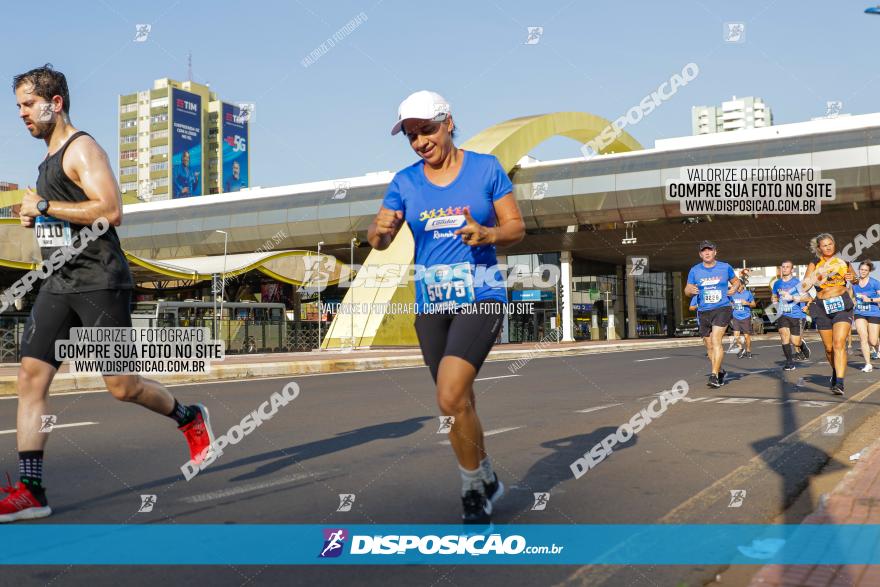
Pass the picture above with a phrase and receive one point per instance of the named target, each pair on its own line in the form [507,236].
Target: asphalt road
[374,434]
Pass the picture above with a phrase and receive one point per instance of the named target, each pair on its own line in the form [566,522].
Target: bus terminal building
[594,220]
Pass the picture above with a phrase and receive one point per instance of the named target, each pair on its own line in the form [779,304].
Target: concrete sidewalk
[332,361]
[855,500]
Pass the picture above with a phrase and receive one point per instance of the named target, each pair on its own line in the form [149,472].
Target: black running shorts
[53,315]
[743,325]
[793,324]
[824,320]
[717,317]
[469,336]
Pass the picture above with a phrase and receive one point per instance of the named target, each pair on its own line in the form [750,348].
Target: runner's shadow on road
[555,468]
[283,458]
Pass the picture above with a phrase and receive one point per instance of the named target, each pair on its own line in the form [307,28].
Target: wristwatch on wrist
[43,207]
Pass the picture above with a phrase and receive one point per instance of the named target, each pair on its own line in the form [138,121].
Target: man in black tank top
[76,193]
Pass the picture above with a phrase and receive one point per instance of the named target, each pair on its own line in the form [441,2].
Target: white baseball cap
[422,105]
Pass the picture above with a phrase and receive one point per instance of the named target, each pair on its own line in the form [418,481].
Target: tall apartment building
[735,114]
[179,140]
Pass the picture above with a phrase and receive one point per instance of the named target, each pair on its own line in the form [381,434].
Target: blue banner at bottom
[208,544]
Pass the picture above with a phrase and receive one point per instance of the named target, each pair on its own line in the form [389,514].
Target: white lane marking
[490,433]
[654,359]
[73,425]
[496,377]
[596,409]
[768,346]
[220,494]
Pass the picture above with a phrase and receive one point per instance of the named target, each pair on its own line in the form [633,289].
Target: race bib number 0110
[51,232]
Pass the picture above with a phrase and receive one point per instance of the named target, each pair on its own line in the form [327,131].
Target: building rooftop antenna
[189,66]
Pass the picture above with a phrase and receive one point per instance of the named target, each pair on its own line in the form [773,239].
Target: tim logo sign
[334,541]
[186,105]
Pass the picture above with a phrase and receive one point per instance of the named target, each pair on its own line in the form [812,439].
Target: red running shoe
[198,433]
[20,504]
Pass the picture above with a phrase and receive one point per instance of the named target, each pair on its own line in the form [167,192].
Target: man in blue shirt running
[741,322]
[786,293]
[710,280]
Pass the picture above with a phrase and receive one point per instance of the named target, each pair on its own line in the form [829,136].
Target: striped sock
[30,467]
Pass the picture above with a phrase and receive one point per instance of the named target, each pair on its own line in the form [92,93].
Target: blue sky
[332,118]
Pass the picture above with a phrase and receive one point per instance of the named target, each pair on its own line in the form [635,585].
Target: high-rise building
[179,140]
[735,114]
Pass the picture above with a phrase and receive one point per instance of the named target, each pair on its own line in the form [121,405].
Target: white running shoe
[868,368]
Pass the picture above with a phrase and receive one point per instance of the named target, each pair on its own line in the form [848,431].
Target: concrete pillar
[633,320]
[567,308]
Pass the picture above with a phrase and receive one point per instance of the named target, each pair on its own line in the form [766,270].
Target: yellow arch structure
[509,141]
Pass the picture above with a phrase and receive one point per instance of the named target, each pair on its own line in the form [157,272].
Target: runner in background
[832,310]
[786,292]
[711,280]
[866,291]
[741,322]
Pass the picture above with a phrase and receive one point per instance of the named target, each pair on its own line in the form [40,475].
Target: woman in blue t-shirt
[459,206]
[866,291]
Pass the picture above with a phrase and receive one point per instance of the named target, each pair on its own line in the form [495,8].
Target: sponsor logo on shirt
[442,222]
[441,212]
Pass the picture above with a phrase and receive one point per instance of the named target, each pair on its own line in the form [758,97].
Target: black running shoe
[805,350]
[721,375]
[477,508]
[713,380]
[837,388]
[749,355]
[741,354]
[494,490]
[799,356]
[788,367]
[833,379]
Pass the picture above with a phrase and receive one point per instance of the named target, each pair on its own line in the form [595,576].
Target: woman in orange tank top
[832,310]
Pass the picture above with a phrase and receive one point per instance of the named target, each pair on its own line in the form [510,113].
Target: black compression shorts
[53,315]
[469,336]
[794,325]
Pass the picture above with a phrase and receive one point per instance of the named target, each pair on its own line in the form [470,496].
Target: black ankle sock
[30,468]
[182,414]
[786,348]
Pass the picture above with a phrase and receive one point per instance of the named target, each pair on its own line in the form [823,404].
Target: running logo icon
[541,500]
[638,265]
[346,500]
[446,423]
[734,32]
[833,426]
[47,423]
[141,32]
[534,35]
[833,108]
[147,504]
[334,542]
[737,497]
[341,190]
[540,189]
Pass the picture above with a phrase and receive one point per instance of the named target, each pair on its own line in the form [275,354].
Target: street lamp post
[320,314]
[351,305]
[223,276]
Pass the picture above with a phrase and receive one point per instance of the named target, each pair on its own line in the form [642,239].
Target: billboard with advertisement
[235,144]
[186,144]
